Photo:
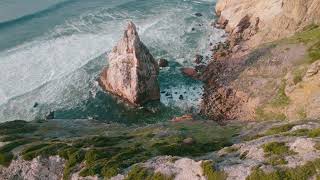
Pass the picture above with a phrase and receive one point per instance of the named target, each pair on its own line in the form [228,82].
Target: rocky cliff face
[132,72]
[267,21]
[254,80]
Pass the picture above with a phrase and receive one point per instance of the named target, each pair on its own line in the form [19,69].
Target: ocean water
[52,51]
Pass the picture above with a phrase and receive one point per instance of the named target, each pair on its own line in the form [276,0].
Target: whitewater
[52,51]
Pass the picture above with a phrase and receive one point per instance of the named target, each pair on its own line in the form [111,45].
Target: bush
[211,173]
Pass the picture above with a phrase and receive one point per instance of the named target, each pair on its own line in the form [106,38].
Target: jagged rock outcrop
[264,21]
[132,72]
[50,168]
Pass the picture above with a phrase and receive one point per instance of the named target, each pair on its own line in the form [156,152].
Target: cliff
[268,67]
[268,20]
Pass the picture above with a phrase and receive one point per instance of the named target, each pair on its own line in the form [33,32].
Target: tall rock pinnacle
[132,72]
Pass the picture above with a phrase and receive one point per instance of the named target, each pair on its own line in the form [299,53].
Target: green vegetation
[314,133]
[272,131]
[16,127]
[304,172]
[276,152]
[6,155]
[211,173]
[302,114]
[262,115]
[281,99]
[311,37]
[108,155]
[317,146]
[279,129]
[231,149]
[298,132]
[138,173]
[276,148]
[298,74]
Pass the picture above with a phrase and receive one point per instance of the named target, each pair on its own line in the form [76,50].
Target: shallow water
[52,51]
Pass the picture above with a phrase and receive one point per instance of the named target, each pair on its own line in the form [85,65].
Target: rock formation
[265,21]
[252,80]
[132,72]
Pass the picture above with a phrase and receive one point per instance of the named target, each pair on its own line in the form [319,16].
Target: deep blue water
[52,51]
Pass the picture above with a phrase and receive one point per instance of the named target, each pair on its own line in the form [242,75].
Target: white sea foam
[49,70]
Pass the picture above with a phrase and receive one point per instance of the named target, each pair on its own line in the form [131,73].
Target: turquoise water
[52,51]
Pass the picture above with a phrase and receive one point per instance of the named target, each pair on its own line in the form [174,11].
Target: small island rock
[132,72]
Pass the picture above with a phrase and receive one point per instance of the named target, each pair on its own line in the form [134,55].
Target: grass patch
[276,152]
[281,99]
[272,131]
[6,155]
[262,115]
[276,160]
[16,127]
[298,132]
[231,149]
[211,173]
[314,133]
[279,129]
[276,148]
[304,172]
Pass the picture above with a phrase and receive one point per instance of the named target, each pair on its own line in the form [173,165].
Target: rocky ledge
[132,72]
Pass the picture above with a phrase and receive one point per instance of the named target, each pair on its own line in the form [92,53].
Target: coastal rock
[188,71]
[313,69]
[132,72]
[265,21]
[163,63]
[198,59]
[50,168]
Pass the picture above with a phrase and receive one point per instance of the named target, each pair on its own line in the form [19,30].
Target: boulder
[198,59]
[132,73]
[163,63]
[188,71]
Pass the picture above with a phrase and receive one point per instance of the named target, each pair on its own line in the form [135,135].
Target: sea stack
[132,72]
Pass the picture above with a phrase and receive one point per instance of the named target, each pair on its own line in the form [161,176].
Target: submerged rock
[132,72]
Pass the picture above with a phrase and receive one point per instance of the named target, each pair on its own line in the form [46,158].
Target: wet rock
[200,68]
[198,59]
[163,63]
[50,115]
[132,73]
[191,72]
[35,105]
[198,14]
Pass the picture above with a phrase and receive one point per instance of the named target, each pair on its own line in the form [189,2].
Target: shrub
[276,148]
[314,133]
[211,173]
